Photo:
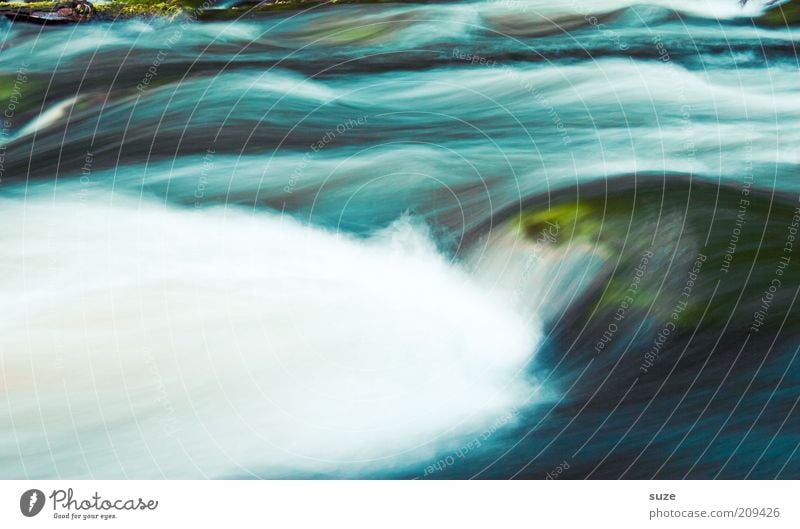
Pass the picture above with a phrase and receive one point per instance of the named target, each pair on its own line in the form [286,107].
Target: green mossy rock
[781,16]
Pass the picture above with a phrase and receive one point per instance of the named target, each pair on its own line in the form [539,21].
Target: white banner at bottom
[398,504]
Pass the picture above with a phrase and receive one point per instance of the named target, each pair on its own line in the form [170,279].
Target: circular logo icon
[31,502]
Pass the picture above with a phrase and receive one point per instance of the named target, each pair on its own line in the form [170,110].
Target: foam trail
[144,342]
[722,9]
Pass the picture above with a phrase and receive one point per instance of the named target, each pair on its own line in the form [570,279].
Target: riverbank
[132,9]
[173,8]
[782,15]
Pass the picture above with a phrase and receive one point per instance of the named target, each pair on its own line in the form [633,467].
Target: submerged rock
[659,272]
[783,15]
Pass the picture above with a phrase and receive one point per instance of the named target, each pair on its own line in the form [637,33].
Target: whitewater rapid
[293,251]
[222,342]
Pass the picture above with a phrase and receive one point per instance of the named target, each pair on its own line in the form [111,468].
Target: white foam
[142,341]
[55,113]
[722,9]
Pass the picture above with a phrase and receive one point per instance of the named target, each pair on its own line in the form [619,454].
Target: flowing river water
[477,239]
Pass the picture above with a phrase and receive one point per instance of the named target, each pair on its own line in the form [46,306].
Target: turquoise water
[290,245]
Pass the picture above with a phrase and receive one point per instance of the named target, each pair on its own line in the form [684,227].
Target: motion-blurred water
[255,247]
